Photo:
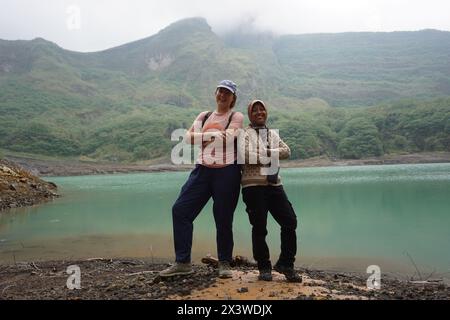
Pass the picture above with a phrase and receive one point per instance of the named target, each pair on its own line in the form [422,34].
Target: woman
[216,175]
[263,193]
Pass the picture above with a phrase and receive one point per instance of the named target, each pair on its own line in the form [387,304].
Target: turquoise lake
[349,218]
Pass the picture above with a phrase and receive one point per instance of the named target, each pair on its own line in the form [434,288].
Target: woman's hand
[211,136]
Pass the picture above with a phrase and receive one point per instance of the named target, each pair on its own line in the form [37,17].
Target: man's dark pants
[259,201]
[223,185]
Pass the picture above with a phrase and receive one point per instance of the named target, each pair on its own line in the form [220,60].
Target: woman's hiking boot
[289,272]
[265,275]
[225,270]
[177,269]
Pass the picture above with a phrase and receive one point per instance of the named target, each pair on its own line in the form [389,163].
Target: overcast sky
[91,25]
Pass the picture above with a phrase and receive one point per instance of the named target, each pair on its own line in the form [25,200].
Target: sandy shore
[138,279]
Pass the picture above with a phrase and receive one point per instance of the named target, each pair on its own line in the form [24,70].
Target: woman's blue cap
[228,84]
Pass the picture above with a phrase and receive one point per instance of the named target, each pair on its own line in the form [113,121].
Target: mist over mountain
[56,101]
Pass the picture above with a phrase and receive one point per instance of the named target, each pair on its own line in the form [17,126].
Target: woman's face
[224,98]
[259,115]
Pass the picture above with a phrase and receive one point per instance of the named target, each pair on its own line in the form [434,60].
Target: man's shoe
[289,272]
[224,270]
[177,269]
[265,275]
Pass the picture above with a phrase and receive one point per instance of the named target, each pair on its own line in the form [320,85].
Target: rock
[111,287]
[22,189]
[242,290]
[52,184]
[185,292]
[158,279]
[8,171]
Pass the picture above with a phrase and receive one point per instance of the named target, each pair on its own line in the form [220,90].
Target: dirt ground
[132,279]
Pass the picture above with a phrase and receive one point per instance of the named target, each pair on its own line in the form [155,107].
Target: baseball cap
[228,84]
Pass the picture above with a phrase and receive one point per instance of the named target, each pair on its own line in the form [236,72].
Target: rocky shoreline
[55,168]
[132,279]
[415,158]
[75,168]
[19,188]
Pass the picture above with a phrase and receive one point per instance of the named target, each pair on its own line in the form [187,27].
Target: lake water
[349,218]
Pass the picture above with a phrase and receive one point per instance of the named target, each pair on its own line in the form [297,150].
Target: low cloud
[107,23]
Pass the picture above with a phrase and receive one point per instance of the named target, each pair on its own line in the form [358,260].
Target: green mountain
[122,103]
[366,68]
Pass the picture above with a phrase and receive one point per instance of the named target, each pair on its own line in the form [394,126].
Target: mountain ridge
[262,60]
[56,101]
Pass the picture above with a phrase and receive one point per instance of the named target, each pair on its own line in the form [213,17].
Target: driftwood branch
[414,264]
[142,272]
[238,261]
[34,266]
[431,274]
[427,281]
[100,259]
[7,287]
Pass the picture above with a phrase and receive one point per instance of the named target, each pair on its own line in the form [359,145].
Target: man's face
[258,115]
[224,97]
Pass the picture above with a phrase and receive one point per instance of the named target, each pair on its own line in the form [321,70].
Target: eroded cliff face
[19,188]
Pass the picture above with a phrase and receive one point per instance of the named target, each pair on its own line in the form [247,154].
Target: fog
[92,25]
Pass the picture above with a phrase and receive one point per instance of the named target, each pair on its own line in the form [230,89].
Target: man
[263,192]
